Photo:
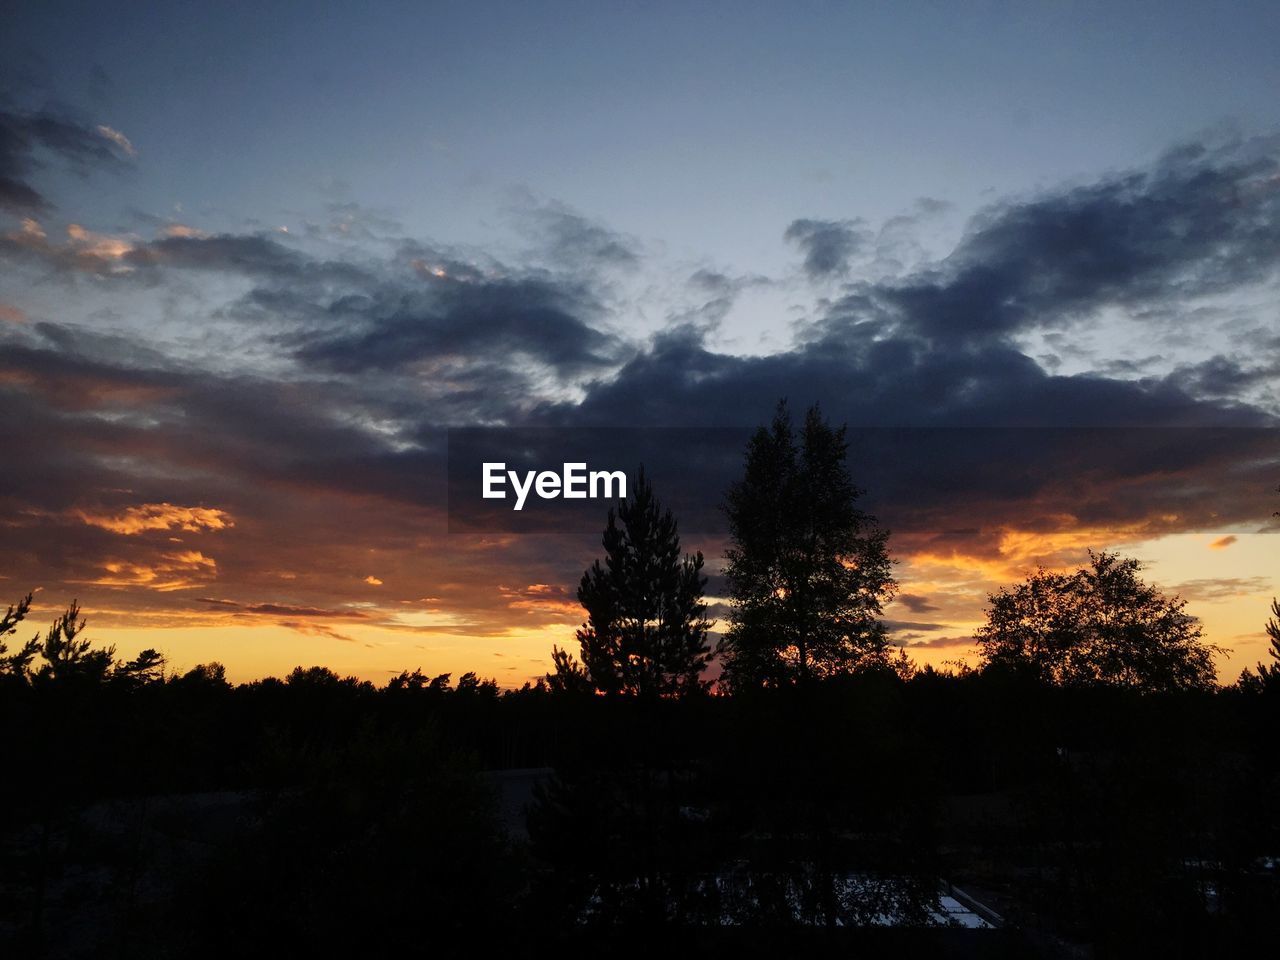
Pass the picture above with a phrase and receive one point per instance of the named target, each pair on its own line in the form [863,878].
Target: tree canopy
[808,570]
[64,655]
[1267,675]
[646,629]
[1100,625]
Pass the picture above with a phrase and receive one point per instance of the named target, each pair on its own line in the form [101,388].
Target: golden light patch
[559,608]
[182,231]
[99,245]
[542,598]
[1019,551]
[430,619]
[159,516]
[174,571]
[428,269]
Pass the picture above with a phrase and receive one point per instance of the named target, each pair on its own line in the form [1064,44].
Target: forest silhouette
[796,786]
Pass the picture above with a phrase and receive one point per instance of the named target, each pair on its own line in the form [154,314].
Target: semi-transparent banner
[564,480]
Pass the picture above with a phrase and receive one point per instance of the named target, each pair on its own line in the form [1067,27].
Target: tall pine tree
[646,629]
[1270,672]
[808,571]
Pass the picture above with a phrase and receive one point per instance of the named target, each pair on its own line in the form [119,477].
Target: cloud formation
[827,245]
[27,137]
[1204,219]
[159,516]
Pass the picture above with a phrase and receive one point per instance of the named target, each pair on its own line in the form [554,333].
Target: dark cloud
[1203,220]
[1221,376]
[316,630]
[913,626]
[916,604]
[865,378]
[286,610]
[473,323]
[827,245]
[487,330]
[24,136]
[539,318]
[257,256]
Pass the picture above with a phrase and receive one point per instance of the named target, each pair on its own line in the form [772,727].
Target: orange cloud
[159,516]
[10,314]
[1017,550]
[182,230]
[373,581]
[316,630]
[84,250]
[1223,542]
[427,269]
[99,245]
[174,571]
[542,598]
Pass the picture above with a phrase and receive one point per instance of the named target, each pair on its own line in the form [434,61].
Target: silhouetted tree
[1268,674]
[64,654]
[567,674]
[67,655]
[646,629]
[418,680]
[16,664]
[209,676]
[146,667]
[1100,625]
[808,571]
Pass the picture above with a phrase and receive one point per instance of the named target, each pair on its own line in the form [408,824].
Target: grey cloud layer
[828,245]
[24,135]
[1203,220]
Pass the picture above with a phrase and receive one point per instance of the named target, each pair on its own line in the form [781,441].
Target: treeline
[1088,815]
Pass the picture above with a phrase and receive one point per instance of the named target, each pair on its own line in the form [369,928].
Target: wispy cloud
[159,516]
[119,139]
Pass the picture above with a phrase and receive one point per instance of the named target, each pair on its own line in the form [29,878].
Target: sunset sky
[254,263]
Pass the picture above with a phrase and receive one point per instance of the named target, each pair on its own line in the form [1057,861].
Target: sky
[256,259]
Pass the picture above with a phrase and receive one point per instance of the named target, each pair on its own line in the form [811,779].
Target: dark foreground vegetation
[187,817]
[182,816]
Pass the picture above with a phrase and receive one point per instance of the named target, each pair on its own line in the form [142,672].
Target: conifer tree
[1270,672]
[646,629]
[808,571]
